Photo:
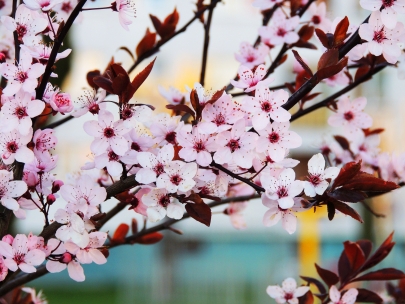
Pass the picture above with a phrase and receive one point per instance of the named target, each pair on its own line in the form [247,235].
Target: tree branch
[55,124]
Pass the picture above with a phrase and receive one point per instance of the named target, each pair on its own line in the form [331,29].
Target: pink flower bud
[66,258]
[8,239]
[56,186]
[61,102]
[50,199]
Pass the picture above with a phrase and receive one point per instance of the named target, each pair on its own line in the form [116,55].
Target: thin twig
[207,27]
[55,124]
[15,34]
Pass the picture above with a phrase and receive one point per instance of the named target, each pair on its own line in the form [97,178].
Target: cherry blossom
[196,146]
[108,134]
[178,176]
[90,253]
[35,298]
[282,189]
[28,24]
[5,10]
[338,79]
[139,142]
[73,228]
[160,203]
[13,146]
[165,128]
[125,9]
[17,113]
[44,140]
[288,292]
[62,103]
[91,101]
[42,52]
[3,269]
[18,255]
[265,105]
[236,146]
[316,183]
[348,298]
[44,5]
[250,56]
[235,209]
[350,115]
[389,11]
[249,80]
[318,16]
[172,95]
[275,139]
[382,40]
[110,160]
[64,10]
[23,76]
[9,190]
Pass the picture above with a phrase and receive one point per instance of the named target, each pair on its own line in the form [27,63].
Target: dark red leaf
[156,22]
[331,210]
[149,239]
[342,141]
[125,49]
[346,209]
[302,63]
[348,171]
[340,31]
[120,83]
[366,246]
[384,274]
[196,198]
[306,32]
[217,95]
[343,267]
[141,77]
[367,182]
[134,226]
[307,298]
[316,282]
[90,76]
[329,277]
[146,43]
[381,252]
[368,132]
[332,70]
[104,83]
[329,58]
[344,195]
[361,71]
[200,212]
[355,255]
[368,296]
[120,233]
[181,108]
[168,26]
[323,38]
[304,44]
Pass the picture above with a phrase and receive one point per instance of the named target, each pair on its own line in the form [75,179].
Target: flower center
[159,169]
[233,144]
[266,106]
[316,19]
[199,146]
[135,146]
[282,192]
[176,179]
[171,137]
[2,4]
[250,58]
[12,147]
[20,112]
[219,119]
[112,156]
[94,109]
[21,76]
[66,7]
[164,200]
[379,36]
[314,179]
[19,258]
[273,137]
[388,3]
[281,32]
[127,113]
[109,132]
[21,31]
[288,296]
[348,116]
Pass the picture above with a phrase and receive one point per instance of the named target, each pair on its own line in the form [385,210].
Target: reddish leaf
[384,274]
[196,198]
[346,209]
[361,71]
[181,108]
[146,43]
[355,255]
[329,58]
[200,212]
[331,210]
[169,24]
[368,296]
[217,95]
[90,75]
[149,239]
[309,97]
[120,83]
[368,132]
[348,171]
[340,31]
[156,22]
[332,70]
[323,38]
[141,77]
[329,277]
[103,83]
[342,141]
[343,267]
[307,298]
[381,252]
[306,45]
[367,182]
[366,246]
[125,49]
[306,32]
[316,282]
[351,196]
[120,233]
[134,226]
[302,63]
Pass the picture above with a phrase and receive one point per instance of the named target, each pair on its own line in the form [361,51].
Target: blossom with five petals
[348,298]
[288,292]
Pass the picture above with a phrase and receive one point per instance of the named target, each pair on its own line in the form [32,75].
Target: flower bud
[50,199]
[56,186]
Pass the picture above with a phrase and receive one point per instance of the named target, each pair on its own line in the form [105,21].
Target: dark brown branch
[207,27]
[15,34]
[326,101]
[161,42]
[55,124]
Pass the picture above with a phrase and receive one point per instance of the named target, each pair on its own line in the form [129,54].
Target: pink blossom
[366,147]
[6,9]
[44,140]
[20,256]
[236,146]
[234,210]
[35,298]
[350,115]
[165,128]
[139,141]
[250,56]
[265,105]
[249,80]
[318,16]
[125,9]
[42,52]
[382,40]
[137,204]
[17,113]
[62,103]
[288,292]
[90,253]
[389,11]
[110,160]
[172,95]
[23,76]
[178,176]
[160,203]
[43,162]
[108,134]
[3,269]
[316,183]
[196,146]
[13,146]
[90,101]
[73,228]
[338,79]
[44,5]
[65,8]
[282,189]
[348,298]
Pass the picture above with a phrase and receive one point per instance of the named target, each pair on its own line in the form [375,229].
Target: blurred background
[217,264]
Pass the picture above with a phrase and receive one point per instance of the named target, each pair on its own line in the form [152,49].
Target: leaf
[307,298]
[347,172]
[361,71]
[217,95]
[156,22]
[316,282]
[355,255]
[200,212]
[346,209]
[120,233]
[196,198]
[329,277]
[367,182]
[302,63]
[366,246]
[341,31]
[343,267]
[168,26]
[368,296]
[120,83]
[103,83]
[181,108]
[331,210]
[332,70]
[342,141]
[384,274]
[134,226]
[381,252]
[329,58]
[306,32]
[323,38]
[89,77]
[149,239]
[146,43]
[141,77]
[345,195]
[125,49]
